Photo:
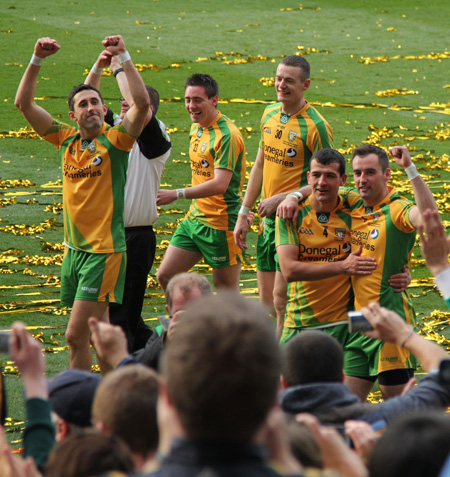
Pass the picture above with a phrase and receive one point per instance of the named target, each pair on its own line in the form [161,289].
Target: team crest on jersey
[204,146]
[374,234]
[268,130]
[346,248]
[340,234]
[92,146]
[199,132]
[97,161]
[291,152]
[305,231]
[375,216]
[284,118]
[292,135]
[323,218]
[205,163]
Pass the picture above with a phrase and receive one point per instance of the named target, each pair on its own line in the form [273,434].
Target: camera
[357,322]
[5,337]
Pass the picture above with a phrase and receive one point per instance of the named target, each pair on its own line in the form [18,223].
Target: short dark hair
[415,445]
[125,402]
[154,98]
[208,82]
[367,149]
[329,156]
[222,368]
[91,453]
[298,61]
[312,357]
[187,282]
[76,89]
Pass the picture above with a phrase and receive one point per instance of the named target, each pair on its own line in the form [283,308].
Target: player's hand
[250,218]
[355,264]
[401,156]
[400,281]
[435,245]
[166,196]
[268,206]
[387,325]
[288,209]
[240,231]
[114,44]
[104,59]
[45,47]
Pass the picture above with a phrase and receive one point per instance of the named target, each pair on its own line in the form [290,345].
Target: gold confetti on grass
[394,92]
[367,60]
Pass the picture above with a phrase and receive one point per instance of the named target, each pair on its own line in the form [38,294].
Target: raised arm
[422,194]
[134,119]
[95,75]
[38,118]
[122,82]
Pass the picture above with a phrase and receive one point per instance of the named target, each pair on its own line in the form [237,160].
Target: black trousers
[141,247]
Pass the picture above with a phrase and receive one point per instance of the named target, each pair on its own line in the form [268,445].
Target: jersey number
[279,133]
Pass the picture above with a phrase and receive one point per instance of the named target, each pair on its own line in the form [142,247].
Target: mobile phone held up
[5,336]
[357,322]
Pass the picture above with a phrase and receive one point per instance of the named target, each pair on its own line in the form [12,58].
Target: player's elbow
[288,273]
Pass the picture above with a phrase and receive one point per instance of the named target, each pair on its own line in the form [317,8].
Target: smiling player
[217,155]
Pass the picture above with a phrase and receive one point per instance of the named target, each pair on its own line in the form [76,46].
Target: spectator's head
[183,288]
[415,445]
[71,394]
[125,406]
[221,368]
[312,357]
[88,454]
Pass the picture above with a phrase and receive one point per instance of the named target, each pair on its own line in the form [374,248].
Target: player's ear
[215,100]
[306,84]
[343,179]
[308,176]
[72,115]
[387,174]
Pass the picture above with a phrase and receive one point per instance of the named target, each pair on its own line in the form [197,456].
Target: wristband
[95,69]
[36,60]
[299,195]
[412,172]
[119,70]
[244,210]
[181,193]
[123,57]
[411,331]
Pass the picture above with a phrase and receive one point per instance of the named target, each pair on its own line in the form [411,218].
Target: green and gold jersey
[387,234]
[94,175]
[321,237]
[288,142]
[218,146]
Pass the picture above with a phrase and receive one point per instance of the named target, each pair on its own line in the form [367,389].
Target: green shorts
[266,251]
[366,357]
[92,276]
[340,332]
[216,246]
